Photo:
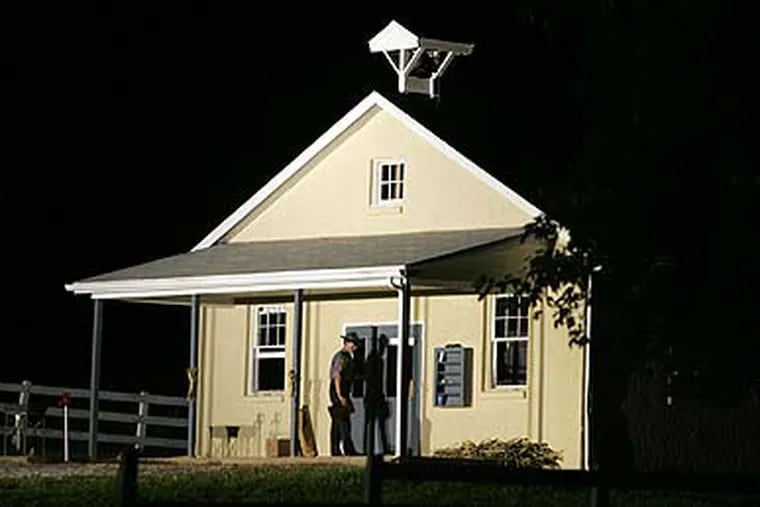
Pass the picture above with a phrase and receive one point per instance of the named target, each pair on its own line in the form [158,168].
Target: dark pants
[341,443]
[377,413]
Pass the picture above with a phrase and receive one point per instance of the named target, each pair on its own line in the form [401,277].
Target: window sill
[267,396]
[506,392]
[382,209]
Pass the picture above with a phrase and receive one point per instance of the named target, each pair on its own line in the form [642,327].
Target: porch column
[195,303]
[97,335]
[403,369]
[296,370]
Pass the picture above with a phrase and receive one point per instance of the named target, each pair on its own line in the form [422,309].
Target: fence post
[142,424]
[600,492]
[373,480]
[126,480]
[22,419]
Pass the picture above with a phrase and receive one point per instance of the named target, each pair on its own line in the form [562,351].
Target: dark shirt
[342,363]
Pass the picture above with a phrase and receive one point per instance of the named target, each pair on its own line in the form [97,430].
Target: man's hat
[351,337]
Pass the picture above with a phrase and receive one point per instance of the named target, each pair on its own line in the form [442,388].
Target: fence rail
[421,469]
[16,423]
[156,399]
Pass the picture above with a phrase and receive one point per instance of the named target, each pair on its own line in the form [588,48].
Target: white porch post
[403,368]
[97,335]
[588,380]
[195,301]
[296,370]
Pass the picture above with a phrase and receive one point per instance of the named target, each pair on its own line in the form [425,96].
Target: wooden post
[126,480]
[22,419]
[142,425]
[373,480]
[600,492]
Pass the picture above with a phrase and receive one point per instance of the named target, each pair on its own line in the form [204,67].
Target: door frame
[418,372]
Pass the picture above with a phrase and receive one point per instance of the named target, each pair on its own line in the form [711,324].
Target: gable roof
[374,99]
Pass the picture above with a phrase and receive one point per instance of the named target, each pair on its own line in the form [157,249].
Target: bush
[515,453]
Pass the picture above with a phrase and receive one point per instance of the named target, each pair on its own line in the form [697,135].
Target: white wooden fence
[19,423]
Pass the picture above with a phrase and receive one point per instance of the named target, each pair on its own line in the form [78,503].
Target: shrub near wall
[514,453]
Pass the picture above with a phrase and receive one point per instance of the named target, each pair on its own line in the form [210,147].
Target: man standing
[341,377]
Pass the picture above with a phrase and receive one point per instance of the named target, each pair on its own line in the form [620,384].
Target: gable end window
[388,185]
[509,341]
[268,350]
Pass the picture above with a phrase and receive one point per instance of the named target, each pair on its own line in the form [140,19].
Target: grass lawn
[313,484]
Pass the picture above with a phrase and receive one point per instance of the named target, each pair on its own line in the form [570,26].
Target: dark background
[131,131]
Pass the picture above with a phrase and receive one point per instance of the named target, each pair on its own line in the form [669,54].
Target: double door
[387,341]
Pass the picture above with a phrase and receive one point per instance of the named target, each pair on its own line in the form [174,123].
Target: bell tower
[418,62]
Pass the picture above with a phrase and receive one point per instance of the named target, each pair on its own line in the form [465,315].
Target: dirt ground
[22,467]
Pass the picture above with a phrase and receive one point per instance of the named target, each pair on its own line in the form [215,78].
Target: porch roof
[257,263]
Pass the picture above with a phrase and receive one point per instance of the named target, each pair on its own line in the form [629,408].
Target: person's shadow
[377,404]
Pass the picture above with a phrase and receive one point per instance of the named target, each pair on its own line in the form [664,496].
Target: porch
[296,272]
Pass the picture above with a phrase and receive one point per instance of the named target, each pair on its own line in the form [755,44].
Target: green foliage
[558,271]
[515,453]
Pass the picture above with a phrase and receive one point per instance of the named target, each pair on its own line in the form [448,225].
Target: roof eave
[366,277]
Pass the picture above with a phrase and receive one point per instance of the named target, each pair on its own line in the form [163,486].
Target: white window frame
[519,337]
[377,181]
[259,351]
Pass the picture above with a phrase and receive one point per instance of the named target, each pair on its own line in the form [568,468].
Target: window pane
[393,191]
[280,335]
[264,336]
[511,327]
[502,375]
[511,362]
[281,318]
[512,306]
[523,306]
[272,335]
[524,326]
[522,361]
[499,328]
[400,190]
[401,172]
[501,307]
[271,374]
[384,192]
[393,172]
[385,170]
[262,319]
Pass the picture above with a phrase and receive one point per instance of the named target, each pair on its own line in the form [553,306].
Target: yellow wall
[332,196]
[548,409]
[224,379]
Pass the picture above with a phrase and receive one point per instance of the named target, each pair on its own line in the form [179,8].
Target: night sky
[132,131]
